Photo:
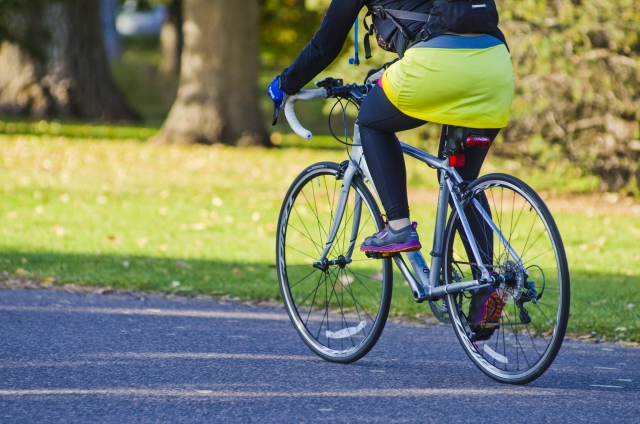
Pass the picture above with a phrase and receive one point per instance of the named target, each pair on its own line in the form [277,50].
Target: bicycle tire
[524,343]
[358,293]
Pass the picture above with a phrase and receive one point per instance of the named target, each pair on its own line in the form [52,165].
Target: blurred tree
[54,64]
[286,26]
[171,38]
[218,97]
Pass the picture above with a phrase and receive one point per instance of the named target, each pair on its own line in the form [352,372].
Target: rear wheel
[523,344]
[339,310]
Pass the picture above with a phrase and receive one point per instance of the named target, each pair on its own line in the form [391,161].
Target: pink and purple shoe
[389,240]
[485,311]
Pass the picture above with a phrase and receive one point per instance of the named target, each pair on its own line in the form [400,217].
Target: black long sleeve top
[327,43]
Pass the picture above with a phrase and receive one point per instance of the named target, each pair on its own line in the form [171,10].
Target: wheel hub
[512,278]
[324,265]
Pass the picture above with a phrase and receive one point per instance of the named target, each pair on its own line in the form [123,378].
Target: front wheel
[518,344]
[338,309]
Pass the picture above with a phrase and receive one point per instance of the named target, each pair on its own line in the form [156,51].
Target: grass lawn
[98,206]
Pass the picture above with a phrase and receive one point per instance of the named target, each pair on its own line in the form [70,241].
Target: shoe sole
[393,248]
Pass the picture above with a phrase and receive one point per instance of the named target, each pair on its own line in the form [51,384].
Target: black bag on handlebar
[393,32]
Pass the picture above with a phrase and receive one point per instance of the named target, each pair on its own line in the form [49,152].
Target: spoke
[341,235]
[302,279]
[515,333]
[526,326]
[312,302]
[498,224]
[362,227]
[533,342]
[314,210]
[514,224]
[364,309]
[546,306]
[536,257]
[326,187]
[549,321]
[344,319]
[363,285]
[534,242]
[365,276]
[305,254]
[307,235]
[524,249]
[355,304]
[326,312]
[317,286]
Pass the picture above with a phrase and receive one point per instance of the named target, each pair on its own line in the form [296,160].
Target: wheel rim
[530,330]
[337,310]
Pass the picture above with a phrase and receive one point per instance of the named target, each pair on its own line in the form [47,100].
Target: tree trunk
[73,80]
[171,39]
[218,95]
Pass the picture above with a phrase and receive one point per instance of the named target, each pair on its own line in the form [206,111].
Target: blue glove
[276,94]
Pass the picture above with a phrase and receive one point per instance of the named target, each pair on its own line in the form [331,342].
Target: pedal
[380,255]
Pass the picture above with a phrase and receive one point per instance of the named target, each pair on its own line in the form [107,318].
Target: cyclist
[453,79]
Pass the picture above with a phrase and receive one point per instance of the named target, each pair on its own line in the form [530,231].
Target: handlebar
[290,114]
[353,92]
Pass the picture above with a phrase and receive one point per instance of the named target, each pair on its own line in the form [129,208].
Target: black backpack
[462,16]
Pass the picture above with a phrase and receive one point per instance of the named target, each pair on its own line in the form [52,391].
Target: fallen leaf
[237,271]
[183,264]
[345,280]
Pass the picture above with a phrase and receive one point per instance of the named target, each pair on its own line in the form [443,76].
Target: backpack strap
[367,43]
[408,16]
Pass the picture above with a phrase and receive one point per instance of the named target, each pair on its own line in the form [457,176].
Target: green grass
[80,205]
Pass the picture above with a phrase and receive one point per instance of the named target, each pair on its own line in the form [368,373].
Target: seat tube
[438,234]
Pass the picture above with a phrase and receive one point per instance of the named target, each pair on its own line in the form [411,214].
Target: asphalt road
[116,358]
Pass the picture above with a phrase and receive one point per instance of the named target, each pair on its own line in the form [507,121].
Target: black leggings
[379,120]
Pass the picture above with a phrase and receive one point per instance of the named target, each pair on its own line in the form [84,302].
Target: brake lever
[276,112]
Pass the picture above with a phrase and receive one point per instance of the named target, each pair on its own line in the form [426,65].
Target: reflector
[456,160]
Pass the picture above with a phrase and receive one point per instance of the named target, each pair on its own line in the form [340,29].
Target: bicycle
[338,297]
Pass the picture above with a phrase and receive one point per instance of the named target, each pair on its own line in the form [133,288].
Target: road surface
[68,357]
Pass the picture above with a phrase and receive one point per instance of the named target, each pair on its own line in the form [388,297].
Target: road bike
[338,297]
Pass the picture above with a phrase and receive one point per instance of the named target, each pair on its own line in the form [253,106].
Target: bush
[577,85]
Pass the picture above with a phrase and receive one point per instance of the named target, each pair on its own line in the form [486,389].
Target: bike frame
[427,284]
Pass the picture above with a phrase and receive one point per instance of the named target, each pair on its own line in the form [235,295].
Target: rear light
[456,160]
[478,141]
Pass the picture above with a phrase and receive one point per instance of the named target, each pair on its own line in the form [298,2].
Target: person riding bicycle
[442,76]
